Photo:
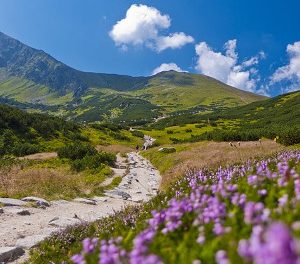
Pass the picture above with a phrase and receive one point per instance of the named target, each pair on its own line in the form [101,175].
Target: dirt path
[40,156]
[138,185]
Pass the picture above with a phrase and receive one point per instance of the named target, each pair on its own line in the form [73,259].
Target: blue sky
[253,45]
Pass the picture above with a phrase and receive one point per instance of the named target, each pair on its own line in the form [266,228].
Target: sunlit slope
[179,91]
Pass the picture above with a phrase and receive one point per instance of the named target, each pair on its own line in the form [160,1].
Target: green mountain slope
[278,117]
[32,78]
[180,91]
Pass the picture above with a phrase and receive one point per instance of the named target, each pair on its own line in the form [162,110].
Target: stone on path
[64,222]
[19,211]
[85,201]
[10,253]
[100,199]
[30,241]
[11,202]
[37,200]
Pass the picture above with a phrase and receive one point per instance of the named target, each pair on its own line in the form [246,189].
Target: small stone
[64,222]
[8,254]
[100,199]
[39,201]
[85,201]
[1,211]
[54,219]
[19,211]
[11,202]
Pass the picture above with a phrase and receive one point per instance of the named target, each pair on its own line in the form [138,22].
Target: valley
[174,167]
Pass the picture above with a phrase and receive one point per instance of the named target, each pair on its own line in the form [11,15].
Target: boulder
[30,241]
[10,253]
[11,202]
[37,200]
[85,201]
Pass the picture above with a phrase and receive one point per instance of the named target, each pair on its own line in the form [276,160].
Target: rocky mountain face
[20,60]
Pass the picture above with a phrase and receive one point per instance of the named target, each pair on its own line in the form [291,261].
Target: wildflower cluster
[239,214]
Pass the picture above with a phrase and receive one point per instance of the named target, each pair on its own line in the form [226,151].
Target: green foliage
[22,149]
[137,133]
[21,133]
[168,150]
[277,117]
[76,151]
[93,162]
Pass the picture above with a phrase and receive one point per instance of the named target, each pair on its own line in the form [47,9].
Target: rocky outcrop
[10,253]
[39,201]
[11,202]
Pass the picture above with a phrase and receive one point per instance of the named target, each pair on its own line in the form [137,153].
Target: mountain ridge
[30,76]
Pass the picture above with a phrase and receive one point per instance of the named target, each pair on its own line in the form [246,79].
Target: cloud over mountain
[167,67]
[226,68]
[142,25]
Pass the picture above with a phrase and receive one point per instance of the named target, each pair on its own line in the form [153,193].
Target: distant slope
[283,109]
[180,91]
[276,117]
[33,78]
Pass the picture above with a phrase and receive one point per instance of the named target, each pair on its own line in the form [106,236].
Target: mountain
[34,80]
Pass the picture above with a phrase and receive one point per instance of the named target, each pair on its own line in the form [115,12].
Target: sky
[252,45]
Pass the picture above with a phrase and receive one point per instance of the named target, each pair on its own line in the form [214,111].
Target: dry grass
[48,183]
[115,148]
[207,154]
[42,182]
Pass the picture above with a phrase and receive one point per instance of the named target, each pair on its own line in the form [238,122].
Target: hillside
[32,79]
[275,117]
[23,133]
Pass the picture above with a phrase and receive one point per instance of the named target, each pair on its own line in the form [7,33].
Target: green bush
[76,151]
[168,150]
[94,162]
[170,132]
[22,149]
[137,133]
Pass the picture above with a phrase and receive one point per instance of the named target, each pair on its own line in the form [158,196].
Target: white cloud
[142,25]
[167,67]
[225,67]
[173,41]
[289,75]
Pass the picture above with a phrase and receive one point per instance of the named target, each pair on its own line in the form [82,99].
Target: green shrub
[188,130]
[170,132]
[137,133]
[22,149]
[168,150]
[94,162]
[76,151]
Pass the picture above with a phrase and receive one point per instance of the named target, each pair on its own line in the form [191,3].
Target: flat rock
[37,200]
[12,202]
[30,241]
[10,253]
[137,200]
[100,199]
[59,202]
[85,201]
[64,222]
[19,211]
